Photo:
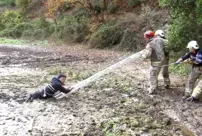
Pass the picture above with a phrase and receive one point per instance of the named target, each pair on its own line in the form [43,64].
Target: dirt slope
[116,105]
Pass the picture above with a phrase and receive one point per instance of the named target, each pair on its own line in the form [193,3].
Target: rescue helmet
[193,44]
[160,33]
[148,34]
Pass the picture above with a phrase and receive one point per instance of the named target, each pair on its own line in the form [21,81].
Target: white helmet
[159,33]
[192,44]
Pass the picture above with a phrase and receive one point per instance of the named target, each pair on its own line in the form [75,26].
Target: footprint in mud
[94,132]
[4,97]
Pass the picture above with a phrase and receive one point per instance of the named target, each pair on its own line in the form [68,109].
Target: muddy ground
[116,105]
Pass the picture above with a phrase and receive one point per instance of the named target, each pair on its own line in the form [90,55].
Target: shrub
[1,23]
[129,41]
[8,21]
[132,32]
[6,33]
[180,33]
[20,28]
[106,36]
[186,22]
[133,3]
[97,9]
[13,25]
[39,29]
[7,3]
[10,18]
[182,69]
[72,29]
[112,7]
[82,13]
[23,5]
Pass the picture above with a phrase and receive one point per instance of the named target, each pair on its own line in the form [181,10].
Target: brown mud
[115,105]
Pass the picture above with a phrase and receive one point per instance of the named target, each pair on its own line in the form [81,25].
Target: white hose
[98,75]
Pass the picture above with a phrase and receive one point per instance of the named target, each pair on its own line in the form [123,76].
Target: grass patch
[11,41]
[41,43]
[180,69]
[22,42]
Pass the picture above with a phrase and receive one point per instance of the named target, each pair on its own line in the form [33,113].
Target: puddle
[186,131]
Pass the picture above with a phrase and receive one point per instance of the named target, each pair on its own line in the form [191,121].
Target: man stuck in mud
[194,57]
[49,91]
[155,50]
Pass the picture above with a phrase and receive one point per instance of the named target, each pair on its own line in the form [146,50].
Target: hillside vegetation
[102,23]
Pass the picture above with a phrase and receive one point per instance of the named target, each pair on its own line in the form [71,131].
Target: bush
[182,69]
[82,13]
[8,21]
[132,33]
[6,33]
[133,3]
[39,29]
[72,29]
[10,18]
[97,9]
[129,41]
[13,25]
[17,30]
[180,33]
[23,5]
[186,22]
[7,3]
[20,28]
[112,7]
[106,36]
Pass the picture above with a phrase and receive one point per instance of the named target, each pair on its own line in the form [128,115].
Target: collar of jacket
[150,40]
[56,81]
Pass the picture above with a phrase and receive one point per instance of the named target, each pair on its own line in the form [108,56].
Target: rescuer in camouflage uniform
[155,50]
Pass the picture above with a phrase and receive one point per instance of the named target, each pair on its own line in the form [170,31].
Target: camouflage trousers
[197,92]
[154,73]
[196,72]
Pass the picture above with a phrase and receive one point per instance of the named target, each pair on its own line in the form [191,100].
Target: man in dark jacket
[49,91]
[195,58]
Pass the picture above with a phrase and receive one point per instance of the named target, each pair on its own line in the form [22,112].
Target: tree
[186,23]
[95,7]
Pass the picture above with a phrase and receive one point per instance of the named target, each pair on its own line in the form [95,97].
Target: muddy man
[49,91]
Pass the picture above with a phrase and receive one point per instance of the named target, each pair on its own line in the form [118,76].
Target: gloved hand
[192,58]
[70,88]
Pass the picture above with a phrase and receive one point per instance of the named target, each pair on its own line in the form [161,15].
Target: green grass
[22,42]
[7,2]
[11,41]
[180,69]
[41,43]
